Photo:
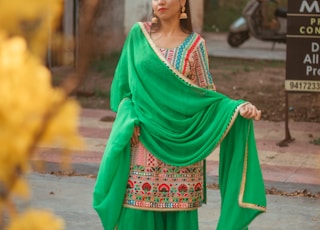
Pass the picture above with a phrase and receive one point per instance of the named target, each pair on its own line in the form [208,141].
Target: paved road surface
[70,198]
[251,49]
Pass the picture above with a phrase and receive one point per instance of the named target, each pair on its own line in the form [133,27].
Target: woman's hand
[249,111]
[135,137]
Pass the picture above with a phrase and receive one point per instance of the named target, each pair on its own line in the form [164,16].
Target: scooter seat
[281,12]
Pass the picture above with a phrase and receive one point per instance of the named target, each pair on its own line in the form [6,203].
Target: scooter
[252,24]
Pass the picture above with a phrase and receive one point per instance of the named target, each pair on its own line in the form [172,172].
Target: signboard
[303,46]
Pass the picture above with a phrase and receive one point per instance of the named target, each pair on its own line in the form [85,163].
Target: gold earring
[154,19]
[183,15]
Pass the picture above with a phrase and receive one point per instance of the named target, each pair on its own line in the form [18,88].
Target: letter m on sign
[307,7]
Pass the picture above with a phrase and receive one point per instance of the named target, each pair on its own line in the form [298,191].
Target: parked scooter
[252,23]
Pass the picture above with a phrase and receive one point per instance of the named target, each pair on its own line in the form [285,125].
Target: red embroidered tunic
[153,184]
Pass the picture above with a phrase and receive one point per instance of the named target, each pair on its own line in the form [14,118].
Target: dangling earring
[154,19]
[183,15]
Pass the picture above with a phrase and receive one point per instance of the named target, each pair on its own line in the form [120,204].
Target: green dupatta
[180,124]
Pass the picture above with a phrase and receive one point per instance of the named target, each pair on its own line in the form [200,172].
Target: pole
[288,139]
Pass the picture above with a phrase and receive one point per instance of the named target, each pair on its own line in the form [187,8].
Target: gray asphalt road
[252,49]
[70,198]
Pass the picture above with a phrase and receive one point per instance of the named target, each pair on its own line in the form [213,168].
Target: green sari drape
[180,124]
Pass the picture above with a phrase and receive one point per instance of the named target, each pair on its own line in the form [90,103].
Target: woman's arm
[204,79]
[199,67]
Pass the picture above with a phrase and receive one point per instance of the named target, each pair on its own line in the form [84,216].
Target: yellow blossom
[21,189]
[32,19]
[26,98]
[32,112]
[36,220]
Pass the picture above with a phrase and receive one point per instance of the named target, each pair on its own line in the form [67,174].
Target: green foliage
[101,94]
[315,141]
[219,14]
[106,64]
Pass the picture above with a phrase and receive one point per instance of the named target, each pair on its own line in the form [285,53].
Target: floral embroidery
[130,184]
[183,188]
[164,188]
[198,187]
[156,185]
[146,187]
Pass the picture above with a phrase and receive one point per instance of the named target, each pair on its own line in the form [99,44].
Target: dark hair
[185,24]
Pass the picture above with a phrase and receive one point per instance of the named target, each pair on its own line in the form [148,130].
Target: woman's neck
[169,35]
[170,28]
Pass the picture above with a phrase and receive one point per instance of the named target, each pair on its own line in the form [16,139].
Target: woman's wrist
[249,111]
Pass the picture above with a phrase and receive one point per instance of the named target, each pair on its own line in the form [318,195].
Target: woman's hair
[185,24]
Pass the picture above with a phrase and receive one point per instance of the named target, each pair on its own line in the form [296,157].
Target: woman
[169,119]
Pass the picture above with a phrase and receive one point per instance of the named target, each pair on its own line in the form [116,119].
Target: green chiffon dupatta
[180,124]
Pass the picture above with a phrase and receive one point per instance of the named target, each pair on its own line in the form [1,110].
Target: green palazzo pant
[134,219]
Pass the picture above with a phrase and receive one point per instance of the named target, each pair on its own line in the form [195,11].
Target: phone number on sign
[309,86]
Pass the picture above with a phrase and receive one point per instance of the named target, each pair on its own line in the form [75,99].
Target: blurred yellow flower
[36,220]
[32,112]
[26,97]
[21,189]
[32,19]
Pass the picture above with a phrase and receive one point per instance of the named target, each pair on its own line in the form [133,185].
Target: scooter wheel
[237,39]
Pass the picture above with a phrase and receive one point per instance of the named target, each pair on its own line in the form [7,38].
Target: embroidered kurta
[153,184]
